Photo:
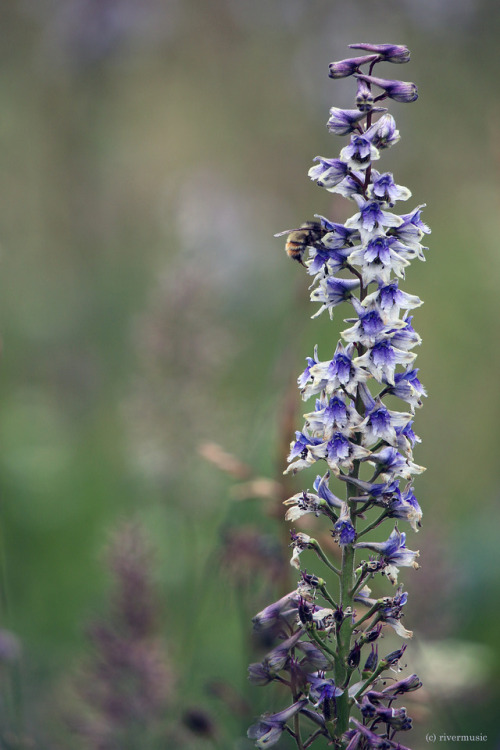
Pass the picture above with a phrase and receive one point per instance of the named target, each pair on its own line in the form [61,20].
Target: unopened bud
[394,53]
[344,68]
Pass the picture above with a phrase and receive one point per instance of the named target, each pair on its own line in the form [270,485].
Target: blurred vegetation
[148,153]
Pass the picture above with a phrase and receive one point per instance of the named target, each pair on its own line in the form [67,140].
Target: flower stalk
[367,446]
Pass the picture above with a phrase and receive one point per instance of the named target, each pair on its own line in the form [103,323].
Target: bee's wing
[287,231]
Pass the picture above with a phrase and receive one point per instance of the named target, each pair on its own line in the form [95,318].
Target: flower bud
[354,656]
[400,91]
[344,121]
[305,612]
[408,685]
[259,674]
[364,97]
[368,710]
[270,727]
[395,656]
[339,615]
[372,660]
[344,68]
[372,635]
[311,580]
[383,133]
[395,53]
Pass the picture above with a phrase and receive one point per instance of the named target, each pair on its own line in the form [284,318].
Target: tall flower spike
[365,442]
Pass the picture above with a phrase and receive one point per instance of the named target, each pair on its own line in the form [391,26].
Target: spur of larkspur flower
[359,441]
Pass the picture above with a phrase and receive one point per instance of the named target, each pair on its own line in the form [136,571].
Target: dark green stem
[296,727]
[370,680]
[327,596]
[311,739]
[373,525]
[369,614]
[316,547]
[359,582]
[323,645]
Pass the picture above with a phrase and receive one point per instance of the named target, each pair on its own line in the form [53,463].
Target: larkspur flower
[394,53]
[278,657]
[381,423]
[300,542]
[300,450]
[343,530]
[270,728]
[339,453]
[340,372]
[400,91]
[379,259]
[370,217]
[332,292]
[360,153]
[382,359]
[408,387]
[332,415]
[311,361]
[383,133]
[370,326]
[314,659]
[329,172]
[393,553]
[280,611]
[343,121]
[344,68]
[384,189]
[324,492]
[353,428]
[371,662]
[391,299]
[364,97]
[323,690]
[391,462]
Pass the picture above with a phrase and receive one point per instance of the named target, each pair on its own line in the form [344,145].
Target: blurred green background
[148,153]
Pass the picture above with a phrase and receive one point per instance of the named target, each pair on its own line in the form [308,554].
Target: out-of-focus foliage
[148,153]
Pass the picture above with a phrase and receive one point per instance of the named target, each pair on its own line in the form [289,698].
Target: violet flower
[365,441]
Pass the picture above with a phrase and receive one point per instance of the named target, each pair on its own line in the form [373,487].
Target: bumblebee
[298,240]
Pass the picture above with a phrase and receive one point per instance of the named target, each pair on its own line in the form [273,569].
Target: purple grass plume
[328,653]
[125,686]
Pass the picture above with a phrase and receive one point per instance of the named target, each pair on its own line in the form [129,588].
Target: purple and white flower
[329,172]
[345,68]
[270,727]
[360,153]
[400,91]
[367,446]
[393,553]
[384,189]
[393,53]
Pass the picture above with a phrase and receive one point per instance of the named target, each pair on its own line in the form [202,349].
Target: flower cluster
[356,428]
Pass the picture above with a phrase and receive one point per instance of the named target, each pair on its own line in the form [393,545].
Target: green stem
[359,582]
[327,596]
[323,645]
[311,739]
[347,586]
[373,525]
[296,727]
[360,511]
[370,680]
[316,547]
[369,614]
